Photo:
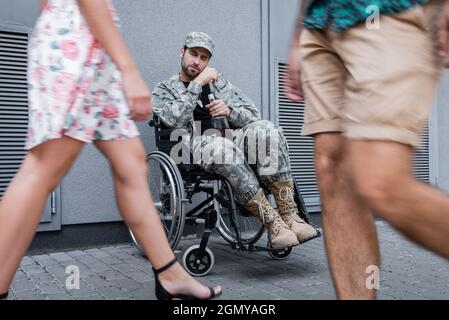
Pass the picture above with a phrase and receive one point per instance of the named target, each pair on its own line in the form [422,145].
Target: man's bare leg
[349,231]
[383,177]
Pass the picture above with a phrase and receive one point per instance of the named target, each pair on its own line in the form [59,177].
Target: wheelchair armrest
[155,123]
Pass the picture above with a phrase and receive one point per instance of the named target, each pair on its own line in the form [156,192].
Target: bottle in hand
[220,123]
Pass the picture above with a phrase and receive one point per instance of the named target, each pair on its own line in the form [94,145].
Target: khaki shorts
[372,84]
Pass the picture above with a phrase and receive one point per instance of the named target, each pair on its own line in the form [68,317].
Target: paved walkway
[120,272]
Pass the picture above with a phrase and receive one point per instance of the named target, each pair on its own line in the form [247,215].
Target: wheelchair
[175,187]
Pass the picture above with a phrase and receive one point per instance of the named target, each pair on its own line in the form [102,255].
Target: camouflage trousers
[248,157]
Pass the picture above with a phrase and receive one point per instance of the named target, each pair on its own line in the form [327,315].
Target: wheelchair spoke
[165,228]
[163,187]
[250,227]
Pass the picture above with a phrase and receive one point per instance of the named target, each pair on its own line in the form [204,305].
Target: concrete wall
[441,142]
[282,21]
[282,16]
[19,12]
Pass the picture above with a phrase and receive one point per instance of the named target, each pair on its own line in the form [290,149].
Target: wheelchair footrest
[248,247]
[318,234]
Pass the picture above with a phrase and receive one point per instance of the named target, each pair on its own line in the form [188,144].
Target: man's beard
[187,72]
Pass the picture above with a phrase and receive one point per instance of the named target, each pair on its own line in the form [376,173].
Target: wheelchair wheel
[280,254]
[167,190]
[198,263]
[251,229]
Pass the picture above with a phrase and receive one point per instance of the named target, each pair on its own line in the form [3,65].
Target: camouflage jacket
[174,104]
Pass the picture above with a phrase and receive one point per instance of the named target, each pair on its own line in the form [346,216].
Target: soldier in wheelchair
[200,94]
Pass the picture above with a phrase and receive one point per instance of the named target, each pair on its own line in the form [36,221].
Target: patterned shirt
[343,14]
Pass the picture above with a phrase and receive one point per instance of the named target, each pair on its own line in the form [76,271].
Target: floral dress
[74,88]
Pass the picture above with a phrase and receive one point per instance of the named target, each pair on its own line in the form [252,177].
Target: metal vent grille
[13,104]
[421,161]
[291,119]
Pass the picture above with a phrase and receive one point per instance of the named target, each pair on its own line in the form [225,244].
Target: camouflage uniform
[226,156]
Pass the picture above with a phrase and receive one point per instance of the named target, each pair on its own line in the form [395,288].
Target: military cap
[200,40]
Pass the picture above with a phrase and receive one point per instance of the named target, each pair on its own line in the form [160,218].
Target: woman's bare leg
[23,202]
[129,168]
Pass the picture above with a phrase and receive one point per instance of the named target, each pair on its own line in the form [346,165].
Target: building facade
[252,39]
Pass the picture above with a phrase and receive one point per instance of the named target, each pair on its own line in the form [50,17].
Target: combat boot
[283,193]
[279,234]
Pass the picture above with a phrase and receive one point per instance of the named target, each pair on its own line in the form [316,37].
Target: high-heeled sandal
[162,294]
[3,296]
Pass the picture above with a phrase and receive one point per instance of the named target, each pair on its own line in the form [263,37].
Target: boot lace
[267,216]
[286,206]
